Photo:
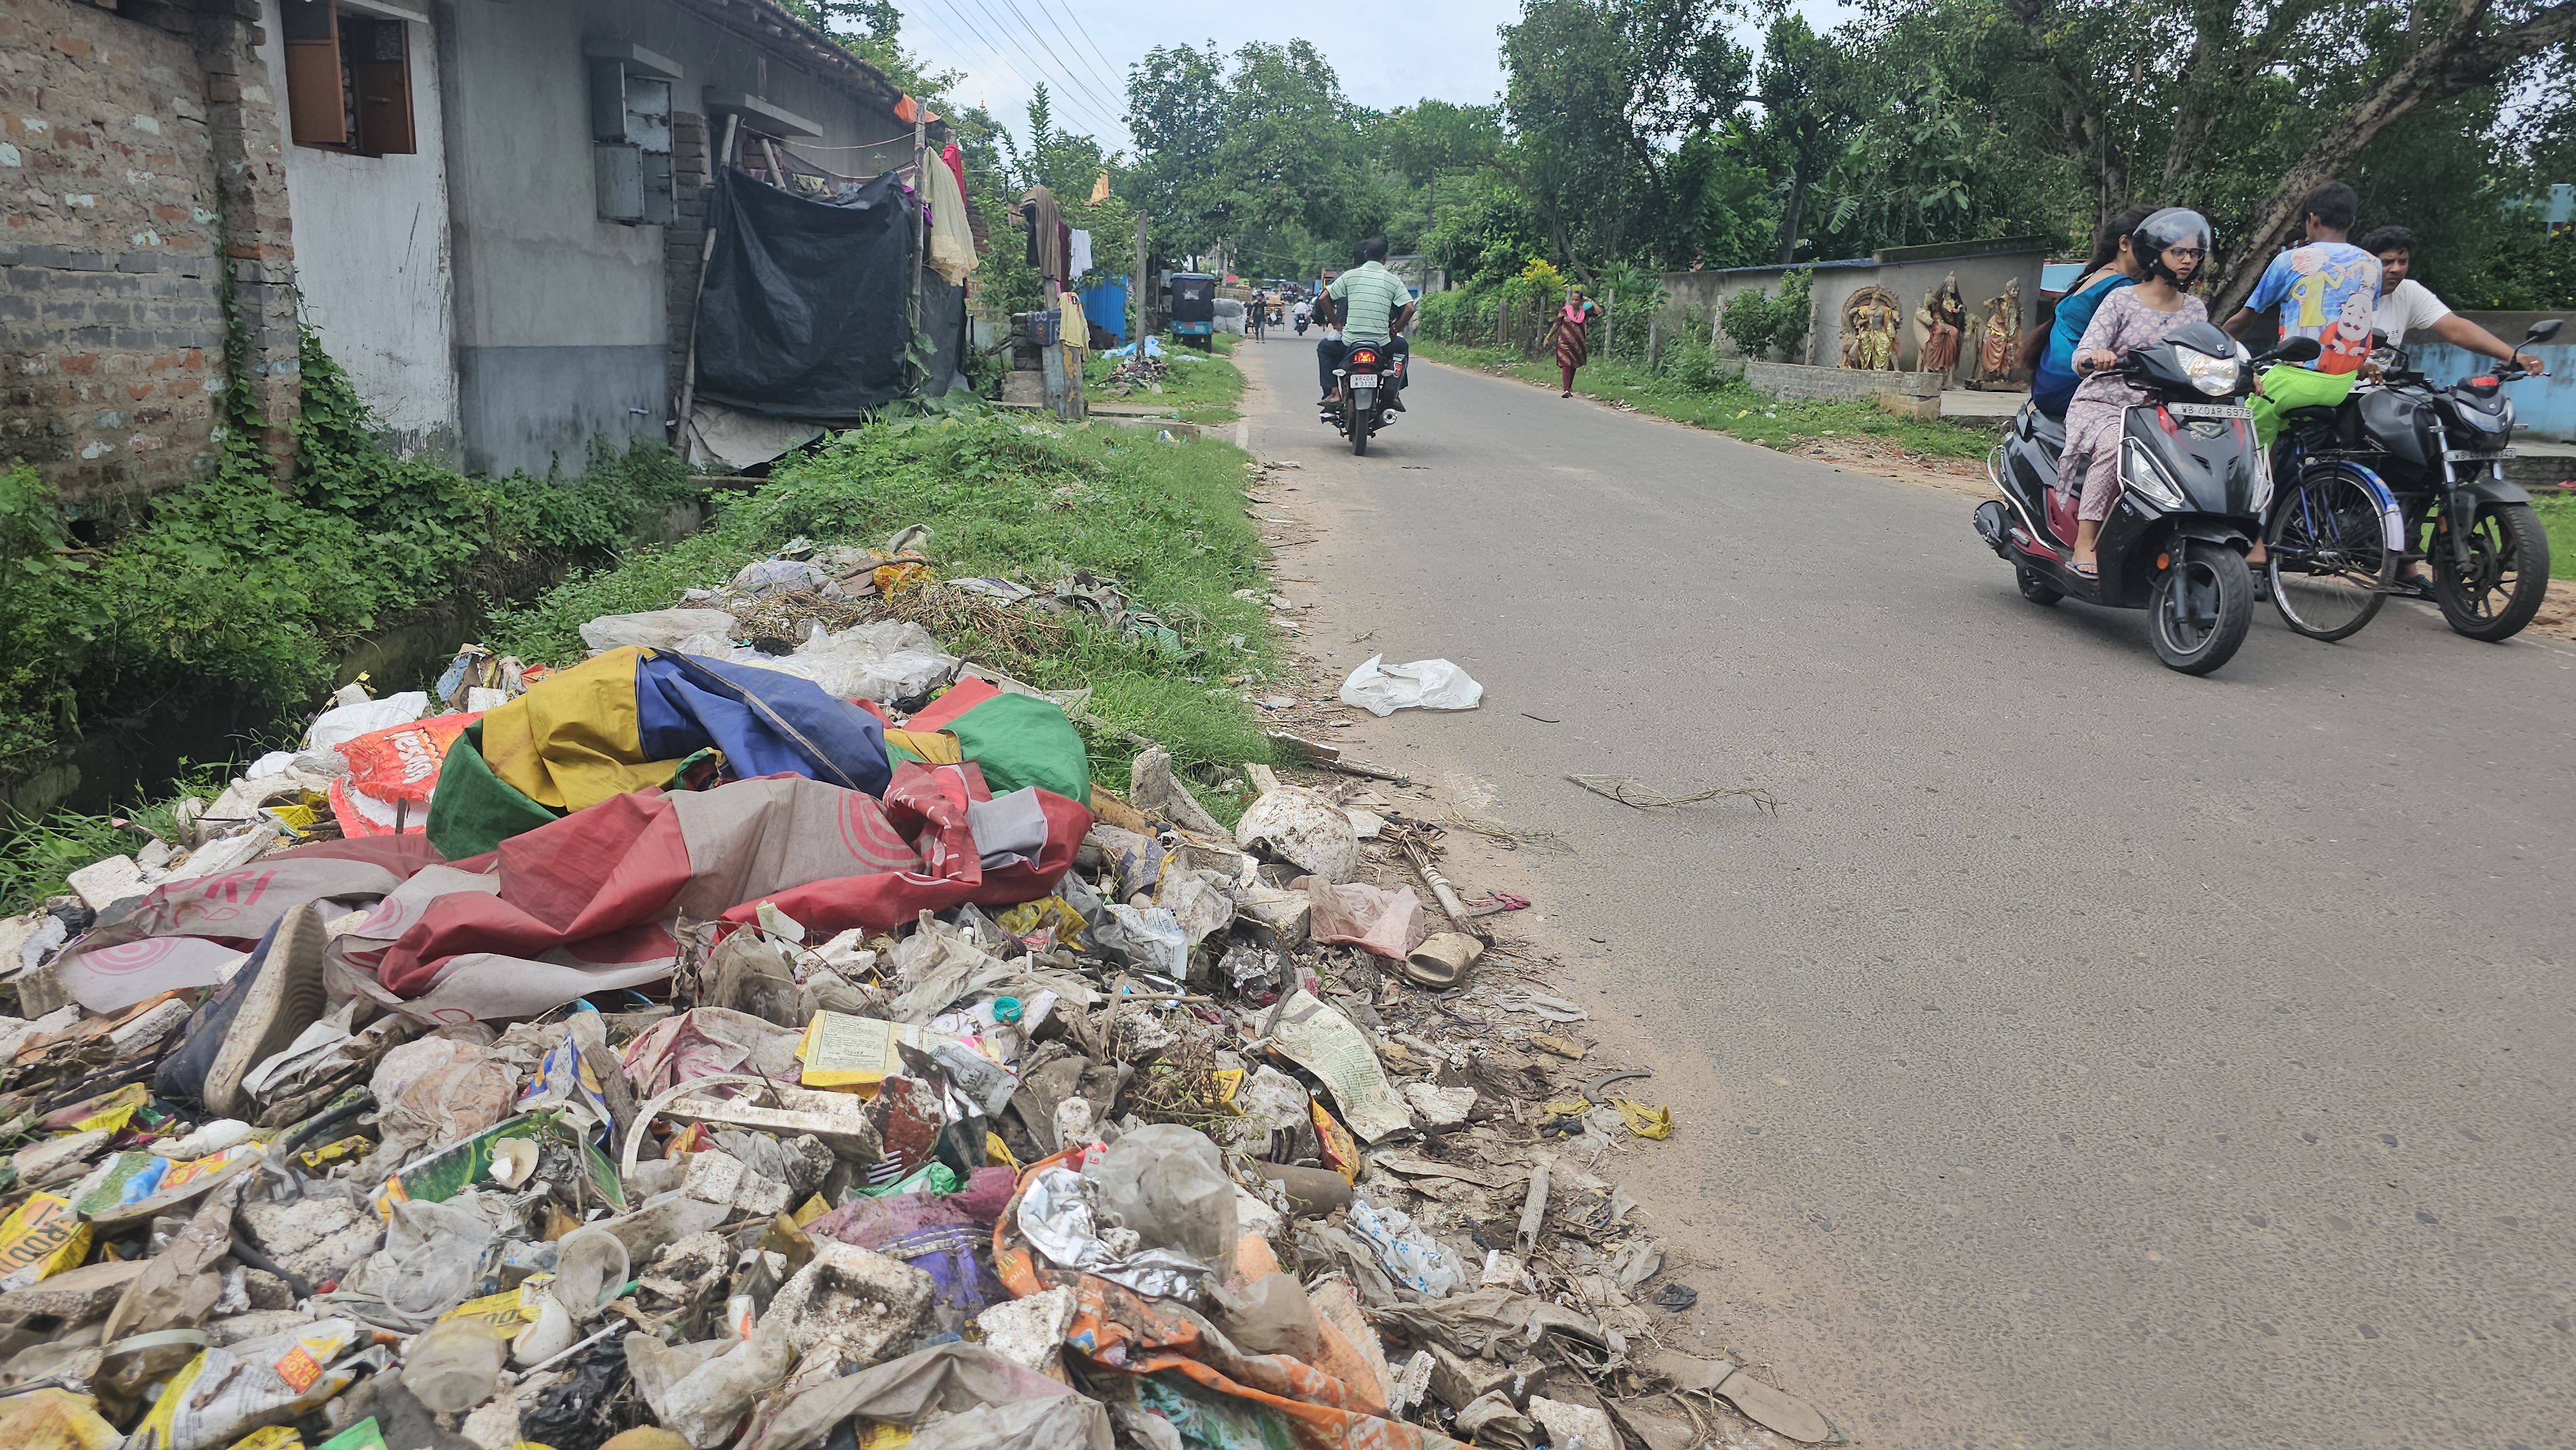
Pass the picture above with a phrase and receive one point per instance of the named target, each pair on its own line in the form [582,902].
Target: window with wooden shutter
[380,79]
[316,95]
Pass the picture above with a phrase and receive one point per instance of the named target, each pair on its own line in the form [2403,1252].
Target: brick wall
[124,165]
[684,240]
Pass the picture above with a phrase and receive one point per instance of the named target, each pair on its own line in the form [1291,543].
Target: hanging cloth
[1080,260]
[952,239]
[1046,228]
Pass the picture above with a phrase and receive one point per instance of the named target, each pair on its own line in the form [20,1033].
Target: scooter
[2194,485]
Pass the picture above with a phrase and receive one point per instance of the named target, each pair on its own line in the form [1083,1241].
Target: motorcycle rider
[1371,305]
[2406,305]
[2173,243]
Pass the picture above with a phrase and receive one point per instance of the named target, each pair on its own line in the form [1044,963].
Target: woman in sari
[2053,377]
[1572,325]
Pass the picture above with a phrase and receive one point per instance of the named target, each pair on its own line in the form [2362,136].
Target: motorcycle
[2194,485]
[1370,374]
[1302,320]
[2410,452]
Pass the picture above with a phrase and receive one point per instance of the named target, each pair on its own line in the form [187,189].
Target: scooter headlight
[2212,375]
[2139,470]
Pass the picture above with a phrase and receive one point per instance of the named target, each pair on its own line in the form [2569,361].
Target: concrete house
[489,210]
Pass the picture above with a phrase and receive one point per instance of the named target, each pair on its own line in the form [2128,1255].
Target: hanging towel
[1081,260]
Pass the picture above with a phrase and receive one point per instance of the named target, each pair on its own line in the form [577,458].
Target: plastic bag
[703,1402]
[1384,923]
[1384,689]
[1148,937]
[338,726]
[657,629]
[224,1394]
[1167,1185]
[389,767]
[41,1238]
[1410,1256]
[435,1092]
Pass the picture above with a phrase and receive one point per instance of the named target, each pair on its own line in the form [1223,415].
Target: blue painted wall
[2542,407]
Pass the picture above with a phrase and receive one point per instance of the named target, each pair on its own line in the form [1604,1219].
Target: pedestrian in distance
[1572,324]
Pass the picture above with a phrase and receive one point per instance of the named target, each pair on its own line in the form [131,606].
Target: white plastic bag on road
[1383,689]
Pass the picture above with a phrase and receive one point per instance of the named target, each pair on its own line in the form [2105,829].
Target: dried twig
[1496,831]
[1637,795]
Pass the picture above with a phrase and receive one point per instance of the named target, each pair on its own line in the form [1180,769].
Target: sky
[1387,56]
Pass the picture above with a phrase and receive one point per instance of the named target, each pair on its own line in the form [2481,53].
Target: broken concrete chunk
[102,884]
[1460,1382]
[719,1177]
[315,1239]
[1156,791]
[59,1158]
[687,1274]
[663,1220]
[74,1297]
[1277,917]
[862,1302]
[1030,1332]
[1439,1106]
[1573,1427]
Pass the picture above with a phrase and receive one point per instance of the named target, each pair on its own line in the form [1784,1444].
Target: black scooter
[2194,485]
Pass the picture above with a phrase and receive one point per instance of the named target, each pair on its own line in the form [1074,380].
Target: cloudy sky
[1387,56]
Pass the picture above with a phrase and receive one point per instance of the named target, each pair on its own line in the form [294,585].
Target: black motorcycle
[1370,375]
[2193,489]
[2365,479]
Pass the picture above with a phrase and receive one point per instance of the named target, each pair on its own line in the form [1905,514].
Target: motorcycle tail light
[1364,356]
[2482,382]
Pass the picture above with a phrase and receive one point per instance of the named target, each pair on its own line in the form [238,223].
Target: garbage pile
[710,1058]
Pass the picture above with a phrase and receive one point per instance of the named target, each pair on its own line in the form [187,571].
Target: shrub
[1748,323]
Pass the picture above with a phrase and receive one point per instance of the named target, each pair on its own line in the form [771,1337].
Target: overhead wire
[1070,94]
[1067,7]
[1088,74]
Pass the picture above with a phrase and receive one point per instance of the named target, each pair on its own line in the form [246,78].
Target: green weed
[1721,403]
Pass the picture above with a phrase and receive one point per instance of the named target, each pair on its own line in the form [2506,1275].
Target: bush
[1748,323]
[1792,310]
[236,588]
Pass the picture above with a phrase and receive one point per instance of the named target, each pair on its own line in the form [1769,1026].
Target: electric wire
[1078,92]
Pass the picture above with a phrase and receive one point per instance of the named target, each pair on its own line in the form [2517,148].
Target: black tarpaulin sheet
[943,328]
[804,314]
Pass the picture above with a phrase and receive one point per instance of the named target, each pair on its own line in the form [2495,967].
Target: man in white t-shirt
[2406,305]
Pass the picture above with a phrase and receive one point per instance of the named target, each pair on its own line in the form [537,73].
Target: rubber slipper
[2088,571]
[1443,959]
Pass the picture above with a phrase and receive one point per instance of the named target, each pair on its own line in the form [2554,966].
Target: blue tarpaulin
[1105,307]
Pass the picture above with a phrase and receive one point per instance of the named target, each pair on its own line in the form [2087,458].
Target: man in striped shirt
[1372,305]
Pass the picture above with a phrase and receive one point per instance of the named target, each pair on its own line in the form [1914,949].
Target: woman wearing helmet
[2172,245]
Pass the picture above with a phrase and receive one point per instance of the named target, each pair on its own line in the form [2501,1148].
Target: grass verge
[1727,406]
[2558,517]
[1002,496]
[1200,388]
[1024,500]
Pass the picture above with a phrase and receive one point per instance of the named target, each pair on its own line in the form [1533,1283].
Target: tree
[1600,94]
[1808,105]
[1420,142]
[1176,112]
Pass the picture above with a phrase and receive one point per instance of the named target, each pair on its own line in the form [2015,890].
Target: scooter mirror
[2298,350]
[2544,329]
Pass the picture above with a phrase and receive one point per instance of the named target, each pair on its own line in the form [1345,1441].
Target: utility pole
[1136,289]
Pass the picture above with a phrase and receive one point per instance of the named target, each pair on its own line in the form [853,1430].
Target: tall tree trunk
[2458,59]
[1789,216]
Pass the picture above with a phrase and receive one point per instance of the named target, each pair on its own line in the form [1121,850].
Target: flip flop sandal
[2087,571]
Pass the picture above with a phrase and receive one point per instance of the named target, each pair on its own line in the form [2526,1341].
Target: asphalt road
[2083,1054]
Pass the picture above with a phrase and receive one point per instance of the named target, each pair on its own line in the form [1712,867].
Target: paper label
[1317,1037]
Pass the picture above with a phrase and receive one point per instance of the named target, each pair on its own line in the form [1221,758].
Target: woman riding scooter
[2172,244]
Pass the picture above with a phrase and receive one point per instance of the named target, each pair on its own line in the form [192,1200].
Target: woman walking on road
[1573,340]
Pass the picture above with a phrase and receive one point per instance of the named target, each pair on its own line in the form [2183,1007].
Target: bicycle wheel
[2328,564]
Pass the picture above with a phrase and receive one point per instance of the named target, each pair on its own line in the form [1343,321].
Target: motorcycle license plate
[2209,410]
[1364,382]
[2463,455]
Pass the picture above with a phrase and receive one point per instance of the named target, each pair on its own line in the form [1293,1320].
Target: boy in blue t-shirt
[2327,290]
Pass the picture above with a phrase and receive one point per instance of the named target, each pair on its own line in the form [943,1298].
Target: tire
[2507,579]
[2327,563]
[2219,574]
[1359,435]
[2036,589]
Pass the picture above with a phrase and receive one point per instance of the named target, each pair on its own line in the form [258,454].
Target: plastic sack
[1167,1185]
[1149,937]
[432,1260]
[706,1398]
[1057,1220]
[1300,827]
[344,723]
[40,1238]
[389,767]
[655,629]
[1383,689]
[1383,923]
[1410,1256]
[762,577]
[435,1092]
[224,1394]
[892,659]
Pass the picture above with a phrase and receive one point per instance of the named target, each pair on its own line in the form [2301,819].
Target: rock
[685,1275]
[719,1177]
[1278,917]
[59,1158]
[866,1304]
